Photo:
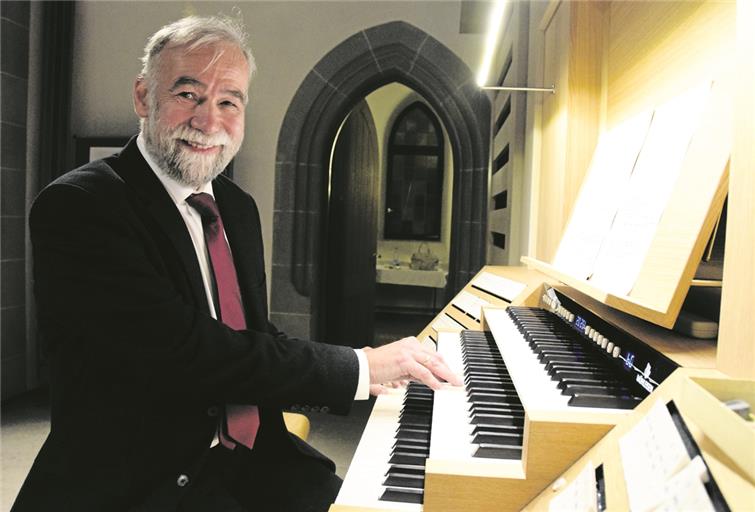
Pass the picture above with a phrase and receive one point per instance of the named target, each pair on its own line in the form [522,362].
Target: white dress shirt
[178,193]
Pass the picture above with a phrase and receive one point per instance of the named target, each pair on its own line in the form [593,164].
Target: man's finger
[424,375]
[435,363]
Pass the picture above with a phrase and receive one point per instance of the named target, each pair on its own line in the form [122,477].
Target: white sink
[387,272]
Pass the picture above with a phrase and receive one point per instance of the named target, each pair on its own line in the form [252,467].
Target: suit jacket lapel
[135,171]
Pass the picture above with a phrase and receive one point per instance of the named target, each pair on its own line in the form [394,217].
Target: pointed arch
[392,52]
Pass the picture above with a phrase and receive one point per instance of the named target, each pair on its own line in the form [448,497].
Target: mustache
[192,135]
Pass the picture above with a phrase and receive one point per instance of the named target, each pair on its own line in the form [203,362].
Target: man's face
[194,111]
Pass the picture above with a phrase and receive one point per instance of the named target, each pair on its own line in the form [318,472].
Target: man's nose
[206,118]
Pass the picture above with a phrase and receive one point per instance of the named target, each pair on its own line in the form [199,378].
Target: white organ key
[452,439]
[451,433]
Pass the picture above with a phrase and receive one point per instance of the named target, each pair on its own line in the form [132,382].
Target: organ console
[570,404]
[543,384]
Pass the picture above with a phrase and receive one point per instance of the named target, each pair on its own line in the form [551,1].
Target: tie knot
[205,205]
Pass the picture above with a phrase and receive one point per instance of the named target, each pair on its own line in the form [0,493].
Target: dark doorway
[349,287]
[391,52]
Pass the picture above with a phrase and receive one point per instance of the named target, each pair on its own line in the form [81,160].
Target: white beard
[180,163]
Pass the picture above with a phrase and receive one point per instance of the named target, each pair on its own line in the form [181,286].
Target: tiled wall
[14,67]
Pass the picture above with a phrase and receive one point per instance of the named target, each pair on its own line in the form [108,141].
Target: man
[150,285]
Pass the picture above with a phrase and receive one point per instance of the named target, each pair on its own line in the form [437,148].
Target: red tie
[241,421]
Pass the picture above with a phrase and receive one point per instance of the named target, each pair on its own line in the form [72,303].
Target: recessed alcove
[392,52]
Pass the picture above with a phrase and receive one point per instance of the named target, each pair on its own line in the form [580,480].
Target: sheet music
[686,490]
[606,182]
[657,170]
[579,496]
[651,453]
[635,169]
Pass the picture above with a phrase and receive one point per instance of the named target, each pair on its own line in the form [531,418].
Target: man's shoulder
[91,176]
[99,181]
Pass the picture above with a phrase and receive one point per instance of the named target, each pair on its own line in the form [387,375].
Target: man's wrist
[363,384]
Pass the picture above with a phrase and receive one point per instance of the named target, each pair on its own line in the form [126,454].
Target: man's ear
[141,106]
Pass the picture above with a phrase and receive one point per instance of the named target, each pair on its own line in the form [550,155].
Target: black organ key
[582,371]
[572,373]
[403,495]
[494,451]
[595,400]
[498,420]
[500,438]
[405,479]
[407,458]
[496,413]
[501,429]
[571,382]
[495,398]
[615,390]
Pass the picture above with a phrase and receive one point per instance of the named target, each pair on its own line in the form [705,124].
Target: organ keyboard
[542,385]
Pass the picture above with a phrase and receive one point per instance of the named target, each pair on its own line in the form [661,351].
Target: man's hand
[407,359]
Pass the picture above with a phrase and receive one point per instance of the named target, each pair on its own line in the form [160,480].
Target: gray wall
[14,73]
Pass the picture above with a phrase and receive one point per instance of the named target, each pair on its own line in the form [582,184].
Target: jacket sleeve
[103,294]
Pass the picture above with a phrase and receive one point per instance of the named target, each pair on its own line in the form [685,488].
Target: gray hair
[195,32]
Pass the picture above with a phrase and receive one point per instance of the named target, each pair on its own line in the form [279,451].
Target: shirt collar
[177,191]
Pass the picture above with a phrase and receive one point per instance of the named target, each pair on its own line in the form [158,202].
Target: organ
[563,379]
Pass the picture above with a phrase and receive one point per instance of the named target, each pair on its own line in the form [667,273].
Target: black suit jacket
[138,365]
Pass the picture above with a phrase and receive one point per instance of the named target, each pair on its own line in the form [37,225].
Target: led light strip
[495,22]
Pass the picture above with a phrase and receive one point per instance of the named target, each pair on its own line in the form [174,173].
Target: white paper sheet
[686,490]
[605,183]
[651,453]
[579,496]
[652,181]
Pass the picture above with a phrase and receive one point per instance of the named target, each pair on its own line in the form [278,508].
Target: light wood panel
[726,441]
[624,57]
[659,49]
[550,445]
[589,22]
[571,119]
[529,296]
[736,356]
[553,125]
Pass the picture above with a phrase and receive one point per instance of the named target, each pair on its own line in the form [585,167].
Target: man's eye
[187,95]
[228,104]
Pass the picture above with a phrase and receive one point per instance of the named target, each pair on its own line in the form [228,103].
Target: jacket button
[182,480]
[304,408]
[325,409]
[213,411]
[315,408]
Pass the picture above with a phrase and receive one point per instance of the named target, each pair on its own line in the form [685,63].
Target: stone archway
[392,52]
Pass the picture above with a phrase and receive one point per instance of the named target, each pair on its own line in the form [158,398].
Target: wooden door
[352,233]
